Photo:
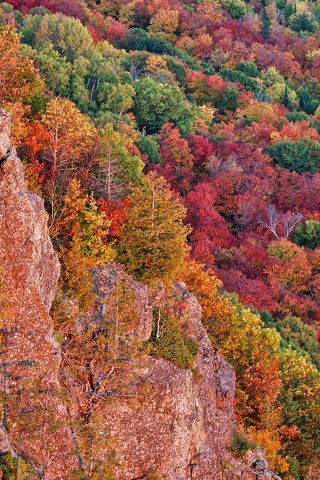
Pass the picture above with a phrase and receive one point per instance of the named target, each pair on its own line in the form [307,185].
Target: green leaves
[308,234]
[156,104]
[153,239]
[301,156]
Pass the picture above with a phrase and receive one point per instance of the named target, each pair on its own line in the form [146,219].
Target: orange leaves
[19,82]
[215,308]
[70,135]
[211,10]
[164,24]
[203,88]
[292,268]
[80,234]
[37,140]
[115,214]
[292,132]
[271,444]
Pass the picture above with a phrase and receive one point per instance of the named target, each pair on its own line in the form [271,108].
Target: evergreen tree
[306,100]
[265,24]
[285,97]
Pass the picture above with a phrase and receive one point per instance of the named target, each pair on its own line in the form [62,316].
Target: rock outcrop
[183,421]
[176,422]
[29,355]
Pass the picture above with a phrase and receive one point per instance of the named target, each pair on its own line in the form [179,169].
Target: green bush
[249,68]
[297,116]
[228,100]
[241,77]
[241,444]
[173,345]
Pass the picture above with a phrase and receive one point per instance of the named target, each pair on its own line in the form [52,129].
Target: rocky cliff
[177,423]
[29,355]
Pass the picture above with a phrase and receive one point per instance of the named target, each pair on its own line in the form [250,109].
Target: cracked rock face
[30,356]
[180,422]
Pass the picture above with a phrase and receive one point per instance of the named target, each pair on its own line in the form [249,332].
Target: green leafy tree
[148,146]
[66,34]
[156,104]
[307,102]
[307,234]
[54,69]
[296,335]
[117,170]
[241,77]
[120,98]
[303,22]
[153,239]
[285,100]
[301,156]
[228,100]
[236,8]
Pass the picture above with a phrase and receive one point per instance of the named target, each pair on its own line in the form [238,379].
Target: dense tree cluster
[182,140]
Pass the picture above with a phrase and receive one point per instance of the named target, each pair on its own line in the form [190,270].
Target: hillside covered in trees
[181,140]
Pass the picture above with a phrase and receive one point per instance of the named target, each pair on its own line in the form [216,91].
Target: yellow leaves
[271,444]
[19,82]
[153,239]
[317,112]
[312,54]
[296,368]
[164,24]
[276,91]
[203,119]
[257,112]
[69,132]
[211,10]
[284,249]
[156,63]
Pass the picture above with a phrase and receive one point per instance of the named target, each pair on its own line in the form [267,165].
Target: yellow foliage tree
[19,82]
[164,24]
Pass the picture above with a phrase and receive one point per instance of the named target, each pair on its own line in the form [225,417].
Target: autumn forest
[181,139]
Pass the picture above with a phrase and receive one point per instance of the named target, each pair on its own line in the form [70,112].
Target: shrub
[153,475]
[241,444]
[172,344]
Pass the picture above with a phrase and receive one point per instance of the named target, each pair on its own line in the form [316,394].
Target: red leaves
[117,214]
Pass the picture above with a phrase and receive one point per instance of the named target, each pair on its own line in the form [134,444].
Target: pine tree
[265,24]
[285,97]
